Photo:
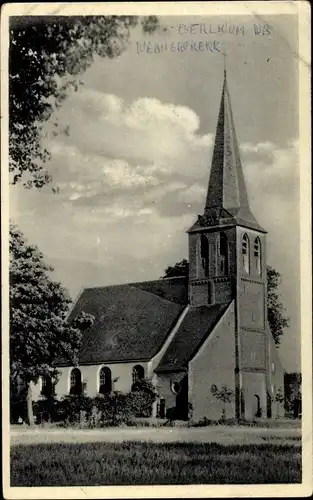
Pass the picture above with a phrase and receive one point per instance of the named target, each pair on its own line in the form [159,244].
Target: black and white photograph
[156,250]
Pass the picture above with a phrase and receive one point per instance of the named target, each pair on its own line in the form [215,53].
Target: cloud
[146,148]
[143,167]
[271,171]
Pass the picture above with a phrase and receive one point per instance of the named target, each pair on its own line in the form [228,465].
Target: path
[223,435]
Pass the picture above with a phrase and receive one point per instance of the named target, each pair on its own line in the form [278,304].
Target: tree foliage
[46,57]
[225,395]
[145,385]
[39,330]
[293,391]
[276,312]
[179,269]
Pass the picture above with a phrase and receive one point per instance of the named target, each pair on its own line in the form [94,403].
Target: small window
[138,373]
[273,367]
[105,380]
[246,254]
[175,387]
[76,382]
[257,256]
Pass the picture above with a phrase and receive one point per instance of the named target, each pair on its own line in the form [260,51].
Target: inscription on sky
[221,28]
[179,46]
[183,45]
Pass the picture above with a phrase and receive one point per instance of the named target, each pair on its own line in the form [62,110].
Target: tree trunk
[29,399]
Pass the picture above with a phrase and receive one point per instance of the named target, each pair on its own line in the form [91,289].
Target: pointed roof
[227,199]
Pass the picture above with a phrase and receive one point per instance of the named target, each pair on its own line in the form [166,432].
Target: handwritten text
[179,46]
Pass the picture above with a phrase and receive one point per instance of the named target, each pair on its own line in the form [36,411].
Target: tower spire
[227,188]
[225,68]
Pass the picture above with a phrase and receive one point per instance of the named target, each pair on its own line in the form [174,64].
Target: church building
[191,336]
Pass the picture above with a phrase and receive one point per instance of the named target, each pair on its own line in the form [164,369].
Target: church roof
[227,199]
[131,321]
[197,325]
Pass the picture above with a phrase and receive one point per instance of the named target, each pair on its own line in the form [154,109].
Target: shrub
[225,395]
[203,422]
[18,409]
[18,405]
[140,404]
[111,409]
[114,408]
[142,397]
[71,408]
[46,410]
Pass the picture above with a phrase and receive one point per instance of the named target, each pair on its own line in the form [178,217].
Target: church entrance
[161,409]
[182,400]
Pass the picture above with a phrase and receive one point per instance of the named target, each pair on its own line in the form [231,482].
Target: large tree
[276,313]
[39,330]
[293,392]
[275,310]
[46,56]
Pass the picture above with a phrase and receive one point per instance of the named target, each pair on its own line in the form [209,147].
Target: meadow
[140,463]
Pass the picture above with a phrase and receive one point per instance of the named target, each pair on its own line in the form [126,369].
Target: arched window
[138,373]
[246,253]
[47,386]
[223,254]
[76,381]
[204,253]
[105,380]
[257,256]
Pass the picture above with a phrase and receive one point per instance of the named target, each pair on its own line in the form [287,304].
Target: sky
[133,169]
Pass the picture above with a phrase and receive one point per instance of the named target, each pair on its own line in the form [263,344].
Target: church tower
[227,259]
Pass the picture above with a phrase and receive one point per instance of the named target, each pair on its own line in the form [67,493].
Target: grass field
[93,464]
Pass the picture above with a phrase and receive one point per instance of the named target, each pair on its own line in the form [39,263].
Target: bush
[104,410]
[75,408]
[113,408]
[203,422]
[140,404]
[46,410]
[18,409]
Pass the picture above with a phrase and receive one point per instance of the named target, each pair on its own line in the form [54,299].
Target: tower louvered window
[246,254]
[204,253]
[223,257]
[257,256]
